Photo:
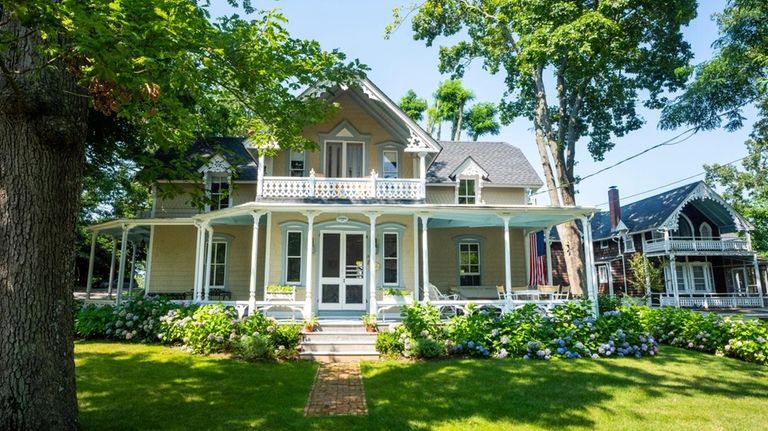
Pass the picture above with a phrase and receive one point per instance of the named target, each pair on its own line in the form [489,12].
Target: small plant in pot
[391,294]
[369,321]
[310,324]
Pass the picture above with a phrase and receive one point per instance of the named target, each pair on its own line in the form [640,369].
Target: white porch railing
[342,188]
[696,245]
[714,300]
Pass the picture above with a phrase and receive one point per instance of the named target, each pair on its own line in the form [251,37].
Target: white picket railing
[695,245]
[342,188]
[714,300]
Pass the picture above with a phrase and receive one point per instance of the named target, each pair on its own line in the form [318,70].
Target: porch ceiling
[517,218]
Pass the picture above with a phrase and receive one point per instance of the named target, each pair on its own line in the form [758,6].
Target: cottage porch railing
[342,188]
[712,300]
[695,245]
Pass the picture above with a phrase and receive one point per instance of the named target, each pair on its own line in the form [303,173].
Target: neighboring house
[689,230]
[380,204]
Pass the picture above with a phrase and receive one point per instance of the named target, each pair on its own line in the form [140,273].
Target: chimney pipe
[614,207]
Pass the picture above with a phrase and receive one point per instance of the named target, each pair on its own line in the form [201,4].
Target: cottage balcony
[316,187]
[687,245]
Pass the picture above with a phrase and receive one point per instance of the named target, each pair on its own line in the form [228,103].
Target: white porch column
[527,253]
[425,257]
[121,271]
[758,280]
[208,258]
[423,173]
[309,256]
[673,277]
[198,263]
[254,260]
[507,258]
[260,176]
[133,268]
[148,261]
[589,270]
[89,281]
[112,268]
[267,249]
[548,243]
[372,262]
[416,257]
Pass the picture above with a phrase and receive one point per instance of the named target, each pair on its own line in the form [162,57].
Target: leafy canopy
[413,106]
[480,119]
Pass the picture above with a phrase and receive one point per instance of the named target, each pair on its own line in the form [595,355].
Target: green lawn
[127,386]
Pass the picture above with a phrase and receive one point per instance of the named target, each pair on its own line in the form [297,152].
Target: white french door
[692,277]
[342,271]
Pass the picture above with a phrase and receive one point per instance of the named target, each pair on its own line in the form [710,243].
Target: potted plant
[400,296]
[280,293]
[310,324]
[369,321]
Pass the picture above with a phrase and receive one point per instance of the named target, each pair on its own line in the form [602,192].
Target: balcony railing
[694,245]
[371,187]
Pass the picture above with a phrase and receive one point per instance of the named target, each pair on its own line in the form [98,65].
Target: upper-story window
[705,230]
[467,193]
[219,191]
[389,163]
[296,164]
[629,243]
[344,159]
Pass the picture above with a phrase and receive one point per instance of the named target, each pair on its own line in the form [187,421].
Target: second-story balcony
[317,187]
[687,245]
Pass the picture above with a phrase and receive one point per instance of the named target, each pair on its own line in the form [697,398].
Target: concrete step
[339,356]
[341,327]
[338,336]
[339,346]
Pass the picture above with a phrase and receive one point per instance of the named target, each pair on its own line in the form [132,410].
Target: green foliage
[392,291]
[413,106]
[608,303]
[647,276]
[421,319]
[273,288]
[287,337]
[388,344]
[91,320]
[253,347]
[426,348]
[137,318]
[480,119]
[209,329]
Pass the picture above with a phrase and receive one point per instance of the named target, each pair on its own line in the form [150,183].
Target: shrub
[426,348]
[419,317]
[253,347]
[388,344]
[608,303]
[209,329]
[287,336]
[138,318]
[91,320]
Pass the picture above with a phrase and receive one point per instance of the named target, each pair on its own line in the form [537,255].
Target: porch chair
[549,291]
[436,295]
[501,291]
[565,292]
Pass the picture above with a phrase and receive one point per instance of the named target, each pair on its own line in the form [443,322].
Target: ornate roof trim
[702,192]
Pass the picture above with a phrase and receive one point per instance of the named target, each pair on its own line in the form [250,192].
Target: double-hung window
[218,266]
[296,164]
[467,193]
[389,163]
[390,255]
[469,263]
[219,192]
[629,244]
[293,258]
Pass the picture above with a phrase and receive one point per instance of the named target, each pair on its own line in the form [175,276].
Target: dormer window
[218,189]
[296,162]
[389,163]
[467,193]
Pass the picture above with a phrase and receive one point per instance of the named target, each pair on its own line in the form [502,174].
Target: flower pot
[370,328]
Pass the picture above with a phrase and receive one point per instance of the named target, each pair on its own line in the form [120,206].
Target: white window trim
[219,238]
[602,274]
[603,244]
[397,162]
[291,154]
[687,286]
[343,162]
[398,259]
[479,265]
[629,243]
[702,226]
[293,226]
[209,176]
[478,186]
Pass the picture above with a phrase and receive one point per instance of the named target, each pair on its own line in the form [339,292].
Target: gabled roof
[232,150]
[663,210]
[504,164]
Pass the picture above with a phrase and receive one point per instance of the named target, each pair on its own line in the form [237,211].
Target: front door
[342,271]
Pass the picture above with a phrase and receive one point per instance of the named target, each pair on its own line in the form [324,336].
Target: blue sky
[356,27]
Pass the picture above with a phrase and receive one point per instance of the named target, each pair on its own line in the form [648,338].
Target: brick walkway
[337,391]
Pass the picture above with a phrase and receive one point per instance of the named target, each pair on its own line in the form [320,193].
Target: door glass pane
[353,294]
[331,243]
[330,294]
[333,166]
[354,160]
[354,256]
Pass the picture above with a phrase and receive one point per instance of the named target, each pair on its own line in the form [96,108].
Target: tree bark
[42,140]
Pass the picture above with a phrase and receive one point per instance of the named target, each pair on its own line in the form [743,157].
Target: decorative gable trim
[216,164]
[469,168]
[702,191]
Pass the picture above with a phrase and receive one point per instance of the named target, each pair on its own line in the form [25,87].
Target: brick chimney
[614,206]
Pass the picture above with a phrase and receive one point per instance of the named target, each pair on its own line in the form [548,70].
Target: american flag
[538,258]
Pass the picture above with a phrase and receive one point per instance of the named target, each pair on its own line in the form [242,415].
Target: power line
[672,183]
[669,142]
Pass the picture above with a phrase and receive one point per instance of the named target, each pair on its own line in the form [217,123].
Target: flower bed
[199,329]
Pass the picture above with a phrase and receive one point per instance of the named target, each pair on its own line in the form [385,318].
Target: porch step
[338,341]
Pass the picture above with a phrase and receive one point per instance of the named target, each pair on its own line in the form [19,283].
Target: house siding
[489,195]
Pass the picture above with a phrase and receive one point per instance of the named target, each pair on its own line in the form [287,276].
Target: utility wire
[672,183]
[669,142]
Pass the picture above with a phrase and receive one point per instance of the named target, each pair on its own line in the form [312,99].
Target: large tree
[575,68]
[166,69]
[736,77]
[480,119]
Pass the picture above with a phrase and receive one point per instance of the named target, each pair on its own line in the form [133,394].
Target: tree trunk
[42,141]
